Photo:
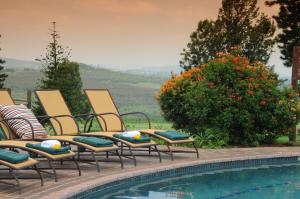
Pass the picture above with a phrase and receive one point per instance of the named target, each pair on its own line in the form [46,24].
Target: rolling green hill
[131,92]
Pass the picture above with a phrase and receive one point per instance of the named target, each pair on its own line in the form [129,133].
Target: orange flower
[263,102]
[199,78]
[250,92]
[254,69]
[290,95]
[236,60]
[210,84]
[250,86]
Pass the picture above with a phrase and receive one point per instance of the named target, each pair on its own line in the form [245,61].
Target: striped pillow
[20,127]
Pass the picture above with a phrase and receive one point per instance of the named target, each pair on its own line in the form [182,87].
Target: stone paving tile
[69,181]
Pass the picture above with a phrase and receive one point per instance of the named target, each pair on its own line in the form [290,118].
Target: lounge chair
[102,103]
[70,140]
[9,160]
[65,124]
[10,140]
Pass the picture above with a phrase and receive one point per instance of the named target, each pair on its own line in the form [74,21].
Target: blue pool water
[268,182]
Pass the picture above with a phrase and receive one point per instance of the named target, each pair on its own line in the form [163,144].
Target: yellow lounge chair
[30,162]
[19,166]
[69,138]
[102,104]
[65,124]
[11,140]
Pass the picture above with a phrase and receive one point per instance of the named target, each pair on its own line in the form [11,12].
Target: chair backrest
[102,102]
[6,98]
[54,104]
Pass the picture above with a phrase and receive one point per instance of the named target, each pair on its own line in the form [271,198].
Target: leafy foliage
[239,23]
[288,20]
[3,76]
[68,81]
[230,95]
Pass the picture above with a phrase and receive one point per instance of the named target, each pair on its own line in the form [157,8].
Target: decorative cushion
[62,150]
[20,127]
[13,157]
[173,135]
[94,141]
[142,139]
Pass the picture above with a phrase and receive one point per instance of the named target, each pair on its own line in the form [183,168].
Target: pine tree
[288,20]
[3,76]
[67,79]
[60,73]
[239,23]
[55,55]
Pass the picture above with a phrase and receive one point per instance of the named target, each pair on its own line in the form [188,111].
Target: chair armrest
[139,113]
[7,127]
[45,118]
[94,115]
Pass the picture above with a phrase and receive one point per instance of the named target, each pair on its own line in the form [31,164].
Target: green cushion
[94,141]
[2,135]
[62,150]
[13,157]
[173,135]
[143,139]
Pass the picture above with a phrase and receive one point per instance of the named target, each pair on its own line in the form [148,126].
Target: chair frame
[131,156]
[47,118]
[13,174]
[33,153]
[120,116]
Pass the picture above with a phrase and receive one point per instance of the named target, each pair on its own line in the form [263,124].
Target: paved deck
[69,181]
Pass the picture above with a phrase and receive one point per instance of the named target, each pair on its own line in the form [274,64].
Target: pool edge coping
[85,186]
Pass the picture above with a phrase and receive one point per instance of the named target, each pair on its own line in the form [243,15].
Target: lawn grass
[284,140]
[134,125]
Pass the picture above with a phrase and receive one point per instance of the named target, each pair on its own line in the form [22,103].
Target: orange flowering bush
[246,103]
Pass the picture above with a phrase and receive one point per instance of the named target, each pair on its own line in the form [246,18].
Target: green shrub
[212,138]
[244,101]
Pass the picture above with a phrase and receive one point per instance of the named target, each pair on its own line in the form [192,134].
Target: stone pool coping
[109,178]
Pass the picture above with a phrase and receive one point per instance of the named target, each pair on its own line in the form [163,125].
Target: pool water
[273,182]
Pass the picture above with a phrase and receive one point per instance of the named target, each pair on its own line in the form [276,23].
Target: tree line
[239,23]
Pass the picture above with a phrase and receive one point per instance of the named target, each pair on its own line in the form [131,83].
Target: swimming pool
[255,179]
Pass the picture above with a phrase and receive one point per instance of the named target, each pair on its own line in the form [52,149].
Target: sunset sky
[110,33]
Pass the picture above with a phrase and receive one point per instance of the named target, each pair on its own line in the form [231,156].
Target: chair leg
[133,156]
[158,153]
[78,153]
[149,150]
[11,172]
[120,158]
[107,155]
[171,152]
[53,169]
[122,148]
[96,161]
[39,173]
[197,152]
[77,166]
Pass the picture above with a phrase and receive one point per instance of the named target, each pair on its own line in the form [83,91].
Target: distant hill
[163,71]
[131,92]
[21,64]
